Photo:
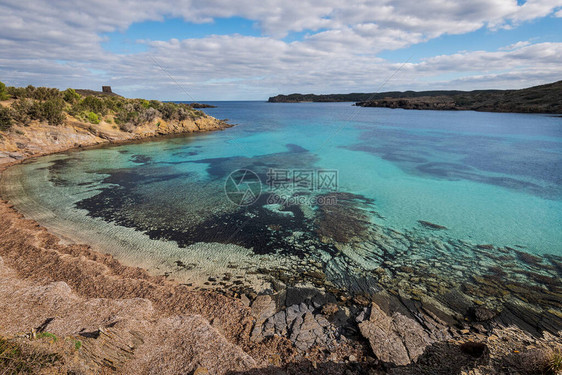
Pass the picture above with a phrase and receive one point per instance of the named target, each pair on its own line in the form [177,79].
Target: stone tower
[106,89]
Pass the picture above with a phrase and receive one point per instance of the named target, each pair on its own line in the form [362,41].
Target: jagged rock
[362,315]
[298,323]
[263,307]
[297,295]
[304,335]
[397,339]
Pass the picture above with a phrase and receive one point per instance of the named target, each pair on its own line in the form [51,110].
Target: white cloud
[59,43]
[515,46]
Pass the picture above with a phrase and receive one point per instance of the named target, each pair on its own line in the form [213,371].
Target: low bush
[148,115]
[32,92]
[93,118]
[3,92]
[16,92]
[6,119]
[554,365]
[51,110]
[94,104]
[71,96]
[47,104]
[22,111]
[45,93]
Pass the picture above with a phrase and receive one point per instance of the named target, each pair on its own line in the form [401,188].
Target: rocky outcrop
[396,339]
[301,325]
[40,138]
[128,334]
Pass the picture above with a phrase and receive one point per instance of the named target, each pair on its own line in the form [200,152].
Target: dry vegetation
[52,106]
[27,357]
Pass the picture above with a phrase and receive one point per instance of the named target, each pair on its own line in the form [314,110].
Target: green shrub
[51,110]
[49,335]
[3,92]
[155,104]
[94,104]
[45,93]
[16,92]
[21,111]
[32,92]
[167,110]
[93,118]
[113,103]
[71,96]
[6,119]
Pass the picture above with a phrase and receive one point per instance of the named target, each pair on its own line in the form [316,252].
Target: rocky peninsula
[538,99]
[67,308]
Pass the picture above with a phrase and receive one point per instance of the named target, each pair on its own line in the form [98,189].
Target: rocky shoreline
[129,321]
[536,99]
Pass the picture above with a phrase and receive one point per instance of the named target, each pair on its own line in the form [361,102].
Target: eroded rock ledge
[40,138]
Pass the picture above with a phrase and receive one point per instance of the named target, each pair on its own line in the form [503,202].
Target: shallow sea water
[427,201]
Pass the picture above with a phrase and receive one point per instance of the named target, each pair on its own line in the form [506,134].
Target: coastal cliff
[538,99]
[37,121]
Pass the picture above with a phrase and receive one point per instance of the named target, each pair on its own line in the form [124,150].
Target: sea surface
[362,199]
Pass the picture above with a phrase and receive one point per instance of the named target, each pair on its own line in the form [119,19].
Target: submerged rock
[430,225]
[530,259]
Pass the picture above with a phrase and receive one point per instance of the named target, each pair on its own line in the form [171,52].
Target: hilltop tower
[106,89]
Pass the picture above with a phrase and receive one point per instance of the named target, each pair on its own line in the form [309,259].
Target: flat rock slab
[395,339]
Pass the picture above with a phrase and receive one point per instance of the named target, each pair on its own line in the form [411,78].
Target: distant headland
[537,99]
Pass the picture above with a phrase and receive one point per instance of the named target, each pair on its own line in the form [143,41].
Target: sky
[252,49]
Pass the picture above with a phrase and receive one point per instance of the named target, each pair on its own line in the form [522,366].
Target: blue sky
[221,50]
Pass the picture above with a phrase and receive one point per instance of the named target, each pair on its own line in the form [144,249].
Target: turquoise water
[487,185]
[488,177]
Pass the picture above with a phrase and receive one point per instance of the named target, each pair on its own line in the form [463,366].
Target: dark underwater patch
[140,159]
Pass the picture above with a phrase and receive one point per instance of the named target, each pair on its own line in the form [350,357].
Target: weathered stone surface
[263,307]
[397,339]
[126,335]
[299,323]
